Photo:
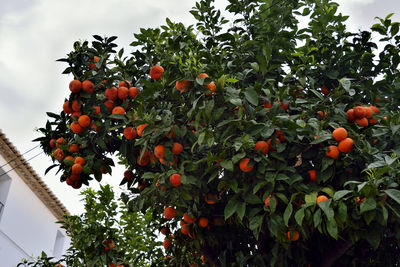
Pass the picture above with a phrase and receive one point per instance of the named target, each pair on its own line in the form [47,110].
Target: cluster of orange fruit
[363,115]
[345,143]
[185,85]
[263,147]
[78,162]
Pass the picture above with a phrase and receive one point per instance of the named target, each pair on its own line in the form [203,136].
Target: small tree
[276,145]
[107,234]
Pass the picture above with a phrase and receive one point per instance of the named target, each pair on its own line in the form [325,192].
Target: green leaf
[241,209]
[367,205]
[287,213]
[317,218]
[345,83]
[251,96]
[200,140]
[321,138]
[227,164]
[339,194]
[326,208]
[301,123]
[252,199]
[342,211]
[231,207]
[332,228]
[299,216]
[394,194]
[311,198]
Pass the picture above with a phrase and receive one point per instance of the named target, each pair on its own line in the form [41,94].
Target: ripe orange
[156,72]
[66,108]
[73,148]
[363,122]
[96,59]
[322,114]
[80,160]
[140,129]
[92,66]
[324,90]
[243,165]
[368,112]
[123,93]
[313,175]
[118,110]
[60,141]
[103,169]
[266,201]
[52,143]
[159,151]
[284,106]
[129,133]
[293,235]
[167,242]
[109,105]
[267,105]
[211,86]
[339,134]
[346,145]
[262,146]
[144,161]
[203,222]
[163,230]
[88,86]
[128,174]
[133,92]
[177,148]
[350,115]
[76,106]
[75,86]
[372,121]
[76,168]
[58,155]
[322,198]
[171,133]
[359,112]
[69,158]
[182,85]
[108,245]
[211,198]
[76,114]
[96,110]
[84,121]
[188,219]
[76,128]
[169,213]
[185,229]
[333,152]
[374,109]
[123,84]
[111,93]
[94,127]
[175,179]
[202,75]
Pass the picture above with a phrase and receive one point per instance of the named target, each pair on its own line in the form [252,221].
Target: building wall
[27,227]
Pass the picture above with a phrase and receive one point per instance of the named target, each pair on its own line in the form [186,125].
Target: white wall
[27,227]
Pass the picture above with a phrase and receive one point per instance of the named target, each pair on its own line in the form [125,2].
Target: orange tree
[256,142]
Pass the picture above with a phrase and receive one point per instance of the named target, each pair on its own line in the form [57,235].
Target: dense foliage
[232,126]
[106,234]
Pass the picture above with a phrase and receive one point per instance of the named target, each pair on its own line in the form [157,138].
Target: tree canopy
[255,141]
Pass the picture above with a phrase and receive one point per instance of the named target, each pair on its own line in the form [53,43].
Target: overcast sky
[34,33]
